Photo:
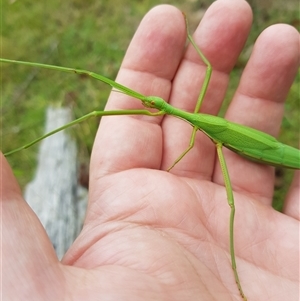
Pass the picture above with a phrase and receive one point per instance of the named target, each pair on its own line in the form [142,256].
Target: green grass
[92,35]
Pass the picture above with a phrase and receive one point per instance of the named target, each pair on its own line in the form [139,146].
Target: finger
[220,36]
[148,67]
[26,247]
[291,205]
[259,103]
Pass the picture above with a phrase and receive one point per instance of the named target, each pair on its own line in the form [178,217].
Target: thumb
[25,245]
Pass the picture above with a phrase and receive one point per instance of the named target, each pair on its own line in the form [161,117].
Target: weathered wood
[54,194]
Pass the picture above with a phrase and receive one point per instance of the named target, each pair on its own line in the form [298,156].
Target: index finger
[148,67]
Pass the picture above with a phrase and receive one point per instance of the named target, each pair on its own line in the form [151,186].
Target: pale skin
[153,235]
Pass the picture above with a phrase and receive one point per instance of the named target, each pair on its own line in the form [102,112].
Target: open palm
[154,235]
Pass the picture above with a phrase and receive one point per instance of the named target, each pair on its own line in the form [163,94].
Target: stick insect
[247,142]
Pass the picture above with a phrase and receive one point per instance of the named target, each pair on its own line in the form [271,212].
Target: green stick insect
[245,141]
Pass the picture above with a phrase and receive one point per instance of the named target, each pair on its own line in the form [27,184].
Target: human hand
[154,235]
